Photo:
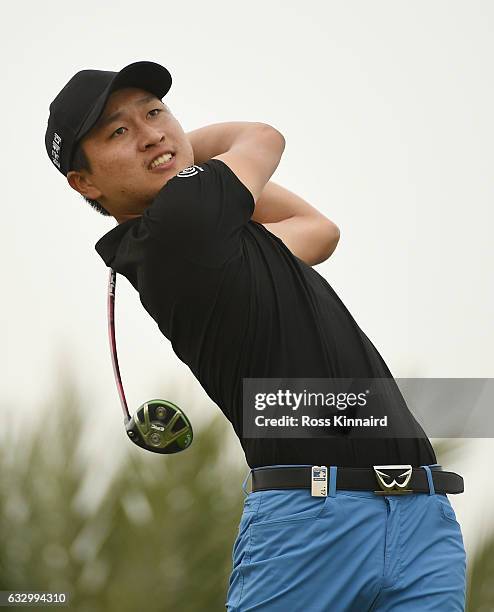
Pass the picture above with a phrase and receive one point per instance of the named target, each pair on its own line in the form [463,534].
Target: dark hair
[81,162]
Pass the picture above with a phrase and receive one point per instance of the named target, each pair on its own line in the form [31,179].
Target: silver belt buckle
[393,479]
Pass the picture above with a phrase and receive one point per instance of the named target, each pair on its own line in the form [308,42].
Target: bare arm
[212,140]
[305,231]
[276,203]
[252,150]
[311,239]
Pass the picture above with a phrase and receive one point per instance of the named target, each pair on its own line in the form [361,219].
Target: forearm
[218,138]
[277,204]
[306,232]
[310,239]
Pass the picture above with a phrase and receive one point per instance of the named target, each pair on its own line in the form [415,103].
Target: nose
[151,136]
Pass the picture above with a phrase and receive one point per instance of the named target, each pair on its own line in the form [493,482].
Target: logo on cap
[56,145]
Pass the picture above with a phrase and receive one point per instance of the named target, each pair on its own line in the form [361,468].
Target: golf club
[158,425]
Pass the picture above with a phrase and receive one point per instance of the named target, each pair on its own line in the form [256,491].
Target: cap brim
[149,76]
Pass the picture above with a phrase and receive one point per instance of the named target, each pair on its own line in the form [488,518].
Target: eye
[115,132]
[160,110]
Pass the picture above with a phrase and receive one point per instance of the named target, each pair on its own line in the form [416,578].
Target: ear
[83,185]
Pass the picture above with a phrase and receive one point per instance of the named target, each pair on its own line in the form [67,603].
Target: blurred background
[386,108]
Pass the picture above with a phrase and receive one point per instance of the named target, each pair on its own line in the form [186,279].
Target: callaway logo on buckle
[393,479]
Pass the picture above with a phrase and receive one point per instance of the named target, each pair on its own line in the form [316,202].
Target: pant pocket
[240,563]
[279,506]
[286,530]
[241,544]
[445,507]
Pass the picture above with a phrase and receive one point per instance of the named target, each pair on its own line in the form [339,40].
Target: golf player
[222,260]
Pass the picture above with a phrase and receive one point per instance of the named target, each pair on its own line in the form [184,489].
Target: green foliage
[160,540]
[480,569]
[481,583]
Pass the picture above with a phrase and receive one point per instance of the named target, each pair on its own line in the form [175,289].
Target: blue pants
[353,551]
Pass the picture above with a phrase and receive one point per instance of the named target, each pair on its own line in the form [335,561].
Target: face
[121,148]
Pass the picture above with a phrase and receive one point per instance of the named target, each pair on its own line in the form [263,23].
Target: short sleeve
[200,214]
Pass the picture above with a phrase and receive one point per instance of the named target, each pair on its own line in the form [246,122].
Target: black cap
[80,103]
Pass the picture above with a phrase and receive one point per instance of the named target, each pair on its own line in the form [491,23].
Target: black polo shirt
[236,303]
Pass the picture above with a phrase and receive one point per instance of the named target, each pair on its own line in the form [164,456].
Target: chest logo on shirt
[190,171]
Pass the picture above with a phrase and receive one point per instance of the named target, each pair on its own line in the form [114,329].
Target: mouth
[163,162]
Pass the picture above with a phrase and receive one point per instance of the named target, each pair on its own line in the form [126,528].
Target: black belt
[387,479]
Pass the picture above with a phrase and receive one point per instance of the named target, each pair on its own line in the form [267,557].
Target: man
[221,258]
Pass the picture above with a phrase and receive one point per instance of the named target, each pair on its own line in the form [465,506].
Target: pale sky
[386,108]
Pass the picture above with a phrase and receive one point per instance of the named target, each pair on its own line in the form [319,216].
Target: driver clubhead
[160,426]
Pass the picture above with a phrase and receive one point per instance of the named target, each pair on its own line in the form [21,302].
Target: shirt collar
[107,245]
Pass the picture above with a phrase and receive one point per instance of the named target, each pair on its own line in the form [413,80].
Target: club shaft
[113,345]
